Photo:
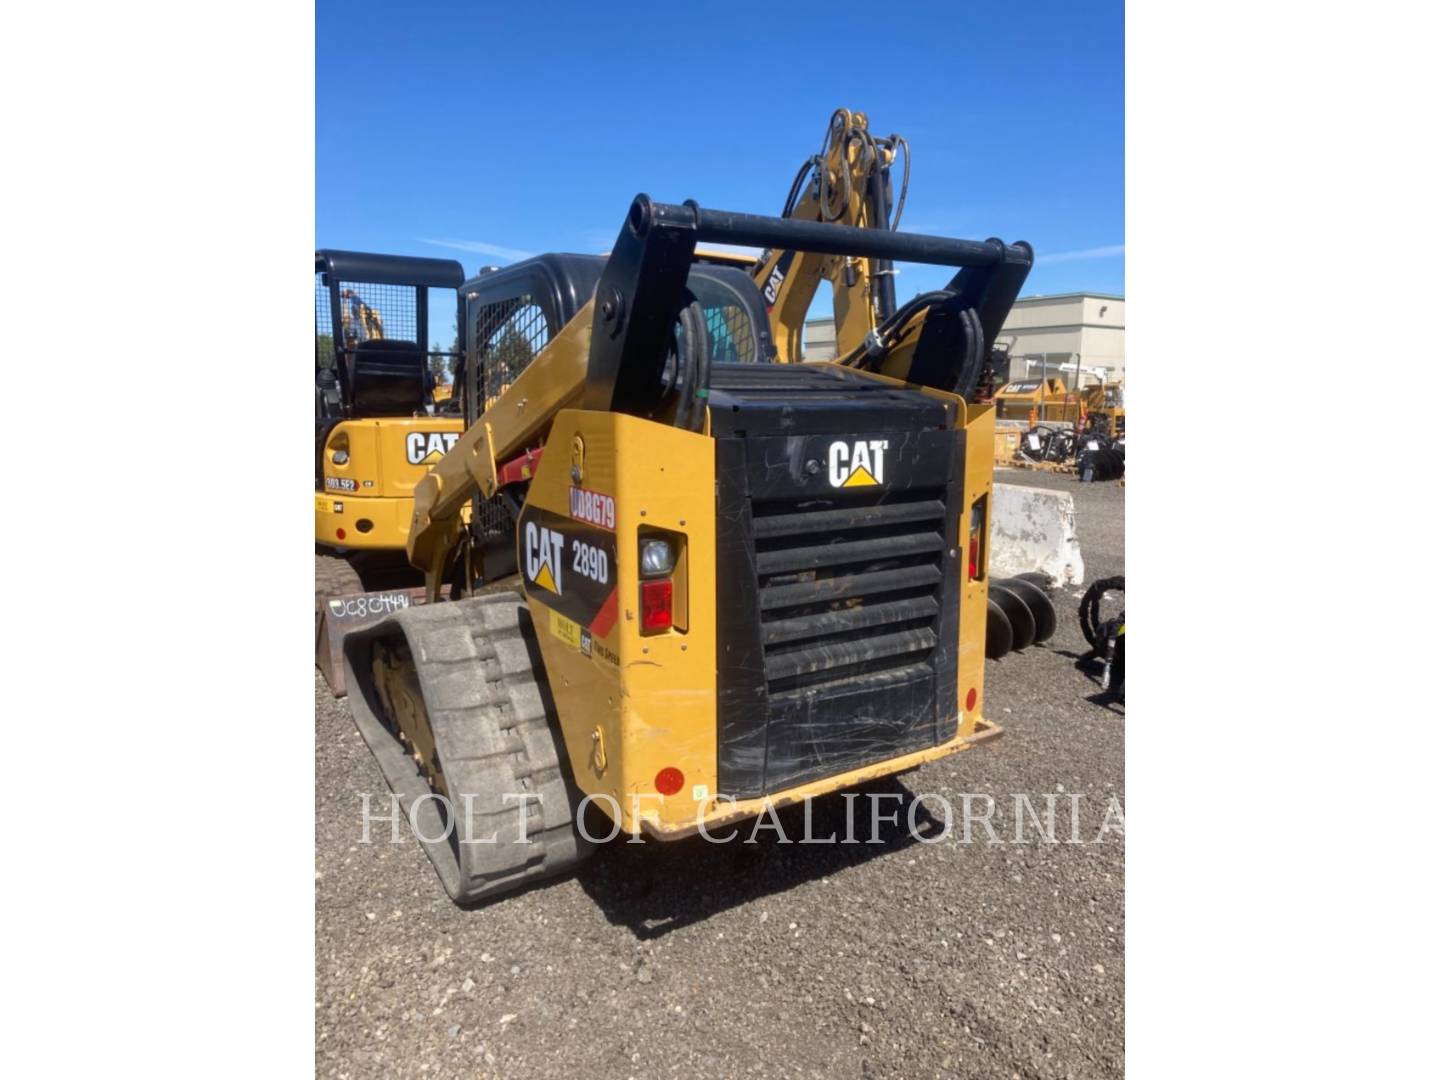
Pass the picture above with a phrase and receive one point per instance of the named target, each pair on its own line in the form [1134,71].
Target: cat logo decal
[858,464]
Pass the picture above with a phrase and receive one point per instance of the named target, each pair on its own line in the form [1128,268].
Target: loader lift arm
[612,355]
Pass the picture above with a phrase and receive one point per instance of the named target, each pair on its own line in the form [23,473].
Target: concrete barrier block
[1033,529]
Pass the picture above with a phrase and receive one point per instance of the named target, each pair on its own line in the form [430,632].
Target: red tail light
[656,603]
[978,526]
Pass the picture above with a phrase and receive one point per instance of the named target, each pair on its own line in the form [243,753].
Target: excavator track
[450,699]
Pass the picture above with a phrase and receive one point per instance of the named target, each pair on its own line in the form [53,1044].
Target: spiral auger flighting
[1021,615]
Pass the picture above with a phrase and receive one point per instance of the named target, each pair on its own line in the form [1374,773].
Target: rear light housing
[657,557]
[657,606]
[662,565]
[976,554]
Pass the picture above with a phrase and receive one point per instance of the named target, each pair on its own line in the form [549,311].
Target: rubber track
[492,736]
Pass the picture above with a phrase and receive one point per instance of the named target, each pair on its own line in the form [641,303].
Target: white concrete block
[1034,529]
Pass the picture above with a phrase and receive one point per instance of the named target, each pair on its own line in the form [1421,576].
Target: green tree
[506,359]
[324,351]
[439,363]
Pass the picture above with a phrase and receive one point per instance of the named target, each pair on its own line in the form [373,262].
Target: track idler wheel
[1020,614]
[452,701]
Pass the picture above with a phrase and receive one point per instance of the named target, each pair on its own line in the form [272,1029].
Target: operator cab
[371,326]
[372,317]
[511,313]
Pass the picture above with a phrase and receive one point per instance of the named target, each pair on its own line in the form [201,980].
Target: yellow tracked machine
[375,435]
[734,581]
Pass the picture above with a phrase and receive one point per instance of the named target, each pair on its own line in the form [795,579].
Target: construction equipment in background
[1102,403]
[1112,409]
[1038,400]
[1090,453]
[1050,400]
[443,395]
[1044,423]
[740,583]
[1099,457]
[374,435]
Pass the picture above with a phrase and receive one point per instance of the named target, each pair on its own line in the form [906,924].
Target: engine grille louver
[848,593]
[837,603]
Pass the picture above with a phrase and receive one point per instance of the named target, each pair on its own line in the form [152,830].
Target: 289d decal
[568,567]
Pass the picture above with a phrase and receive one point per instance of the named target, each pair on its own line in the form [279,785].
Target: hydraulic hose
[862,354]
[897,142]
[1090,624]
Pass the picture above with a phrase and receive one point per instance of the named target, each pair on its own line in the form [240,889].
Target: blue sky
[487,131]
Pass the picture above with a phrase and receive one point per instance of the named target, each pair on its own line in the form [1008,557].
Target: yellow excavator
[735,581]
[375,435]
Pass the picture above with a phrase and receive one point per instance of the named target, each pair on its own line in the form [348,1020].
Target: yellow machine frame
[620,734]
[367,502]
[661,478]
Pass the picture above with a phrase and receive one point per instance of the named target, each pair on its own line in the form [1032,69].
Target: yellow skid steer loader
[736,582]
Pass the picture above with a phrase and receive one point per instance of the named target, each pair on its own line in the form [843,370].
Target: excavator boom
[847,183]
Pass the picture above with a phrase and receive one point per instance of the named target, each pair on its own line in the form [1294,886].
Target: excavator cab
[374,432]
[371,325]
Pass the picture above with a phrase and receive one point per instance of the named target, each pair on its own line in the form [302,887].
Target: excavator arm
[847,183]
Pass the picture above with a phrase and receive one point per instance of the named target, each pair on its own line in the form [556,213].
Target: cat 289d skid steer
[740,582]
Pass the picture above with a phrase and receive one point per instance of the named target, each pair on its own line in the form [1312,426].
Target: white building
[1044,336]
[1051,335]
[819,340]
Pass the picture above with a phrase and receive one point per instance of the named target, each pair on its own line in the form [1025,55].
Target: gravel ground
[689,959]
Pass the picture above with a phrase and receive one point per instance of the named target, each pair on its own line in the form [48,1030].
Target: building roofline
[1070,296]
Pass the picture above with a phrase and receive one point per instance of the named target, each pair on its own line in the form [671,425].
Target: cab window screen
[509,334]
[324,331]
[732,338]
[371,312]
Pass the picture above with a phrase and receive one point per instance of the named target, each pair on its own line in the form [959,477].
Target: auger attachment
[1020,615]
